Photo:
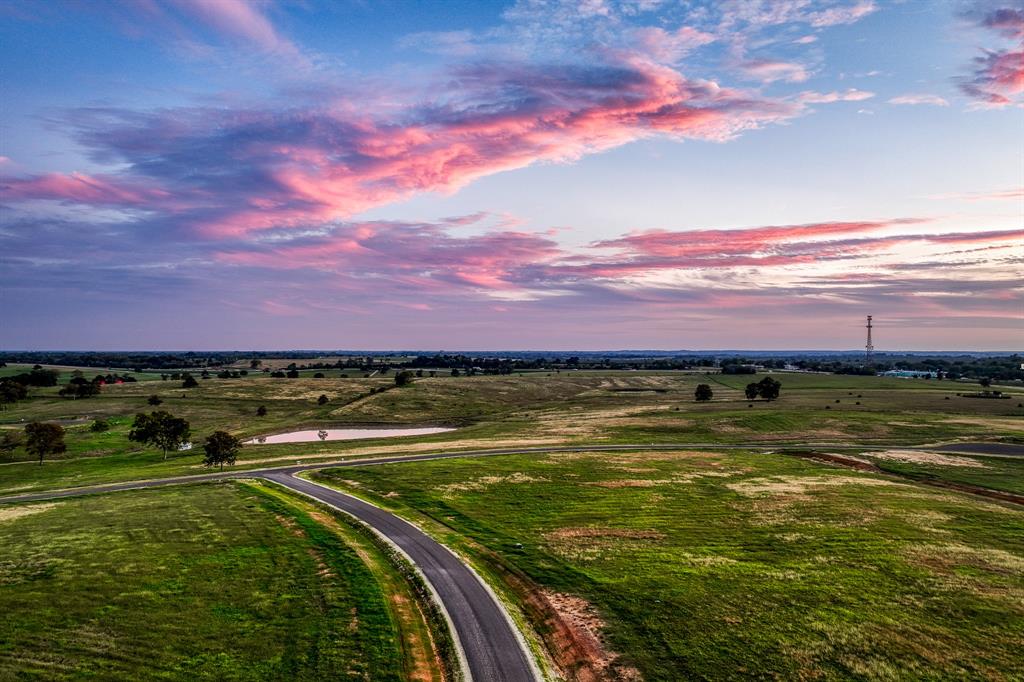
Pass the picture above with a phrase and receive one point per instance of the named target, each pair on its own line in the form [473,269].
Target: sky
[528,174]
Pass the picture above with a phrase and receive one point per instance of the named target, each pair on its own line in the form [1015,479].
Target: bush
[99,426]
[703,393]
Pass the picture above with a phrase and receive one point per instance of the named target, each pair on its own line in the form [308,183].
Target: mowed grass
[534,410]
[724,565]
[215,581]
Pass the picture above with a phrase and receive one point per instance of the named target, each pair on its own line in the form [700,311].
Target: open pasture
[215,581]
[498,411]
[711,564]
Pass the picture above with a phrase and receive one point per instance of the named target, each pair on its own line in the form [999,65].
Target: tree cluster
[767,389]
[160,429]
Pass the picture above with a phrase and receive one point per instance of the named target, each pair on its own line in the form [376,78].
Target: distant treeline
[994,366]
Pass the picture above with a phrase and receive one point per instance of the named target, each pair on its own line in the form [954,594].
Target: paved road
[491,648]
[994,449]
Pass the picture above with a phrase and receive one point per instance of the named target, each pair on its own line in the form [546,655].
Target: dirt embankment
[571,631]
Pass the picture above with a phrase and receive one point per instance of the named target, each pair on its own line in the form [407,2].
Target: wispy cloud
[850,95]
[997,79]
[918,98]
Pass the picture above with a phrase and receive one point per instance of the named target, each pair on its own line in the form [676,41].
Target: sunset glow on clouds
[253,171]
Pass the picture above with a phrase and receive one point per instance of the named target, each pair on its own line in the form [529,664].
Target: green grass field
[215,581]
[714,565]
[531,410]
[675,565]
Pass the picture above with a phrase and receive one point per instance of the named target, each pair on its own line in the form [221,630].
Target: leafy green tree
[154,400]
[160,429]
[985,382]
[751,391]
[292,374]
[79,387]
[11,441]
[221,448]
[99,426]
[703,393]
[12,391]
[43,439]
[189,382]
[403,378]
[769,388]
[322,400]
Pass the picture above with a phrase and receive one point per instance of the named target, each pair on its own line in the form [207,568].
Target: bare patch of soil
[799,485]
[916,457]
[485,482]
[11,513]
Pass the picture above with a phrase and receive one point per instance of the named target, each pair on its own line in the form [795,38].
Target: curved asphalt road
[490,647]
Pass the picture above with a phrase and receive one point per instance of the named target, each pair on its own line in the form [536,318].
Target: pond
[315,435]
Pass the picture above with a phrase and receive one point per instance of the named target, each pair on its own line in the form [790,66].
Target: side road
[990,449]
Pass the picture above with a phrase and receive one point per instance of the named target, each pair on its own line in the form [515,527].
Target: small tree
[751,391]
[403,378]
[703,393]
[189,382]
[80,388]
[221,448]
[769,388]
[154,400]
[99,426]
[985,382]
[42,439]
[261,411]
[322,400]
[11,441]
[292,374]
[12,391]
[160,429]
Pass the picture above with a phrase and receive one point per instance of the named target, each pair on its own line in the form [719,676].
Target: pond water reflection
[314,435]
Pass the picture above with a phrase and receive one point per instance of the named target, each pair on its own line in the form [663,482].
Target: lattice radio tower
[868,348]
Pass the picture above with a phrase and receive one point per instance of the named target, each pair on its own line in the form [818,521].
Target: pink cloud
[424,255]
[998,77]
[669,46]
[81,188]
[244,171]
[239,18]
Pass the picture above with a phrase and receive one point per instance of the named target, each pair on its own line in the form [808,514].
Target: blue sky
[524,174]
